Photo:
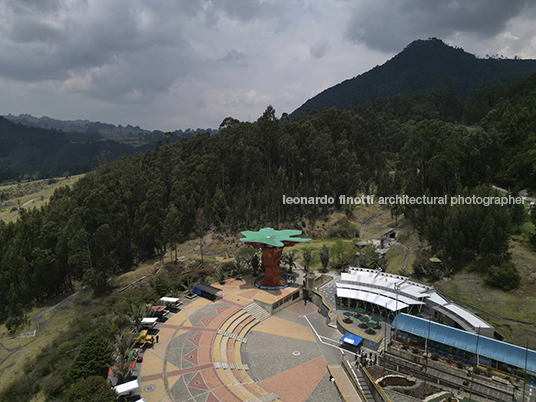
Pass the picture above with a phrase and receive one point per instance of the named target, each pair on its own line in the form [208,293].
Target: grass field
[47,320]
[518,304]
[30,194]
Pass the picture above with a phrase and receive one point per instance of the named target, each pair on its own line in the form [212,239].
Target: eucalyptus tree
[325,256]
[308,255]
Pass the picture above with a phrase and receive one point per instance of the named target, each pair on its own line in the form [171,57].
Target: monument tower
[272,242]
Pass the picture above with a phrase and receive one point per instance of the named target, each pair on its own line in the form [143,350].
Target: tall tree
[325,256]
[201,227]
[308,256]
[93,358]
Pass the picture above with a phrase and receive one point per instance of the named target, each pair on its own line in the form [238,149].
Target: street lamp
[397,288]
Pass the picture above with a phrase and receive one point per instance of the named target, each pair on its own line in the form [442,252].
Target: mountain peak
[424,66]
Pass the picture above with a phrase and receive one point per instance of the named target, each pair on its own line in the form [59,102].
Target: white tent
[127,387]
[149,320]
[170,299]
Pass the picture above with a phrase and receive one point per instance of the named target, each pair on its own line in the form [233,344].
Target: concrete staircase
[363,385]
[257,312]
[226,356]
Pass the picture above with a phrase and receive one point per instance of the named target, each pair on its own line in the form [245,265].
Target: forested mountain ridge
[423,67]
[27,150]
[105,130]
[44,152]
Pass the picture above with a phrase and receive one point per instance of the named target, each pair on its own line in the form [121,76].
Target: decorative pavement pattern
[217,352]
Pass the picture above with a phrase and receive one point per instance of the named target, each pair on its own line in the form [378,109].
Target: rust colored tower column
[271,258]
[272,242]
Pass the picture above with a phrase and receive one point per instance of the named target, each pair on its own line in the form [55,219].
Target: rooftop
[487,347]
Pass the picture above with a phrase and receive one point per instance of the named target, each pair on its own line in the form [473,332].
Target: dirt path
[405,257]
[364,224]
[30,201]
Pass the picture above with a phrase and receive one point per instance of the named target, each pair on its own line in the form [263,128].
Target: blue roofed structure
[491,352]
[351,339]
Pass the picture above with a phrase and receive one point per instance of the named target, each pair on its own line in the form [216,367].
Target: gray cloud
[388,26]
[242,10]
[319,49]
[166,64]
[112,49]
[233,55]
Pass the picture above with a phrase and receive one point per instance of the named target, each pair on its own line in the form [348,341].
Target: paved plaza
[279,358]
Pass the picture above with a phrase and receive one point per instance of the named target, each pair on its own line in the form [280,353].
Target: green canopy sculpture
[272,242]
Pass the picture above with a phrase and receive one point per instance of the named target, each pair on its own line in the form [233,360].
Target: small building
[148,322]
[207,291]
[351,342]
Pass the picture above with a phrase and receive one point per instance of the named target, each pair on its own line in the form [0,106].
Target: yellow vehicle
[144,339]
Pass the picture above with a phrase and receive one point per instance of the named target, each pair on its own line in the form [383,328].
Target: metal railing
[378,388]
[353,376]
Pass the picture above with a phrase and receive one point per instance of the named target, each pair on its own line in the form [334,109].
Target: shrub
[405,345]
[435,357]
[416,350]
[477,370]
[20,390]
[14,322]
[161,286]
[345,230]
[505,277]
[52,385]
[449,358]
[460,364]
[93,388]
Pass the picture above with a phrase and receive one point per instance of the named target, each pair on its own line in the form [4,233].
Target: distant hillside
[42,147]
[40,152]
[79,126]
[424,66]
[82,130]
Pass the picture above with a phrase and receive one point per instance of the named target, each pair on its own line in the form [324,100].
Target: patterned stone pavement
[284,357]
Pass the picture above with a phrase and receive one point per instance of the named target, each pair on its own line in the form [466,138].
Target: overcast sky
[174,64]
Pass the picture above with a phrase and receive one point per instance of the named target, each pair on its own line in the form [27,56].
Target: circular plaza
[230,349]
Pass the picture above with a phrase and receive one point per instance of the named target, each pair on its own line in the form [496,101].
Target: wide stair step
[257,312]
[363,385]
[231,335]
[231,366]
